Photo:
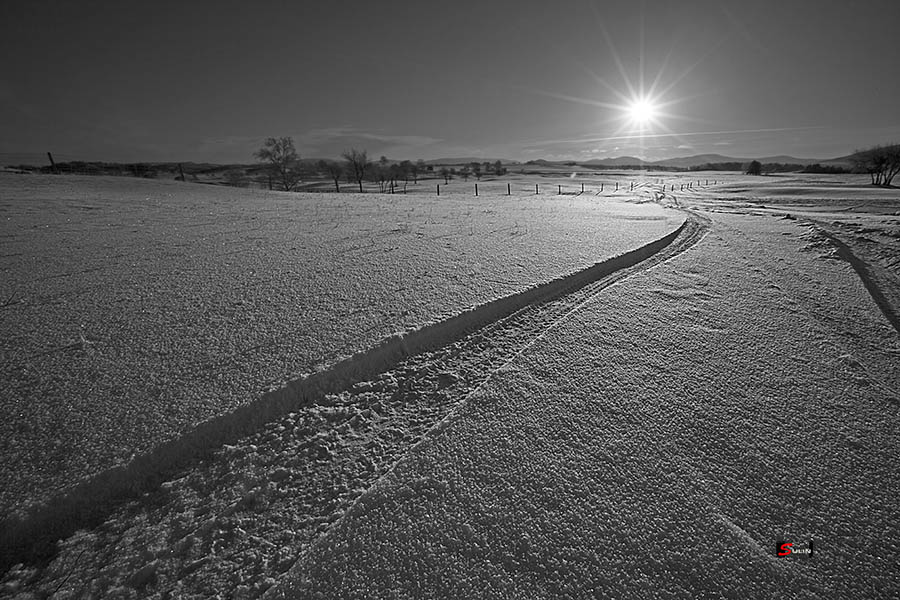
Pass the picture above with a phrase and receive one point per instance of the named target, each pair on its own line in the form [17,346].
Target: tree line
[882,163]
[286,170]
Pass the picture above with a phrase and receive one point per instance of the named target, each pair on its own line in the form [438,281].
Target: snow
[140,308]
[675,428]
[651,433]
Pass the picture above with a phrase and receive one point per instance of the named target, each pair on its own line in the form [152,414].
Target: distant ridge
[681,162]
[687,162]
[621,161]
[469,160]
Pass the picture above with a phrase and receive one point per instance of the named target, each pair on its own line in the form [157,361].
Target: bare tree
[396,171]
[284,162]
[445,173]
[381,176]
[418,169]
[357,165]
[406,169]
[882,163]
[334,170]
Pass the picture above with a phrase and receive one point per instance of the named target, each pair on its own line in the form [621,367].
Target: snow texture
[657,444]
[134,310]
[650,431]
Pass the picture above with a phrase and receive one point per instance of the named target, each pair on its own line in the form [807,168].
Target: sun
[641,111]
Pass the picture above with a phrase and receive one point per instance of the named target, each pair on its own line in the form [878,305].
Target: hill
[468,160]
[621,161]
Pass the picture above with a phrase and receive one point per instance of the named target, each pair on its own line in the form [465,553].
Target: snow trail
[883,286]
[132,310]
[348,425]
[657,444]
[735,390]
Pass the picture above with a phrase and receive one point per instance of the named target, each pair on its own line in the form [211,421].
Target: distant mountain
[621,161]
[468,160]
[840,161]
[680,162]
[686,162]
[789,160]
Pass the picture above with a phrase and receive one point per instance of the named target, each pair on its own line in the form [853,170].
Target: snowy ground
[134,309]
[650,433]
[675,429]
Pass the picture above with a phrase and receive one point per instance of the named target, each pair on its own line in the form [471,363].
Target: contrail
[665,135]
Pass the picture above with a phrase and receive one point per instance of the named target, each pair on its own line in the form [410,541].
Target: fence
[557,189]
[254,176]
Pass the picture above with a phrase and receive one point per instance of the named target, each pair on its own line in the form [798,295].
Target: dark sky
[516,79]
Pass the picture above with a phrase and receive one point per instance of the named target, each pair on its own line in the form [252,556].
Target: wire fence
[593,188]
[431,182]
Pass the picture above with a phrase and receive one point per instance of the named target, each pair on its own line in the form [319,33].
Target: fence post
[601,187]
[439,189]
[52,164]
[536,190]
[559,193]
[582,188]
[476,189]
[180,170]
[632,186]
[508,190]
[617,186]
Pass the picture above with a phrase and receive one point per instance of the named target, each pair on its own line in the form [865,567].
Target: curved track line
[33,538]
[869,275]
[691,233]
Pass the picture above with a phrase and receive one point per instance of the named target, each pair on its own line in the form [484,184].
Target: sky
[511,79]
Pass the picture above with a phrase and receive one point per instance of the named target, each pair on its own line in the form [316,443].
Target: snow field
[656,445]
[137,309]
[226,525]
[236,523]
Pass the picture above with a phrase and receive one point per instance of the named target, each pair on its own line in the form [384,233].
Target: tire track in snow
[881,284]
[301,455]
